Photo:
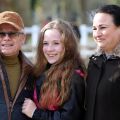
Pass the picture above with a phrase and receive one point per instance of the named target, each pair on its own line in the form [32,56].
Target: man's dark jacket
[15,104]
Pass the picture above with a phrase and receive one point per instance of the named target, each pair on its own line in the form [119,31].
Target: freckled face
[105,33]
[53,46]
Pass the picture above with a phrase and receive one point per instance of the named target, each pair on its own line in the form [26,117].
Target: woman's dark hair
[113,10]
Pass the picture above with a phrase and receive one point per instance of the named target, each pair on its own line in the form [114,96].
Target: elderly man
[14,67]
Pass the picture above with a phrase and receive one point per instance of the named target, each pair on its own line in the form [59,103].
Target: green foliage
[117,2]
[38,2]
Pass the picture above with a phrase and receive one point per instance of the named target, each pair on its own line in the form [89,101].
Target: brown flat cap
[12,18]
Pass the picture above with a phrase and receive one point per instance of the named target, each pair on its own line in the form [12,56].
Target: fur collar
[115,52]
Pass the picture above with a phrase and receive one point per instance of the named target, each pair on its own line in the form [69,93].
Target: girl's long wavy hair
[56,86]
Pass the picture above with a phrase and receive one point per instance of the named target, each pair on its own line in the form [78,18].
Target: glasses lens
[2,34]
[12,34]
[9,34]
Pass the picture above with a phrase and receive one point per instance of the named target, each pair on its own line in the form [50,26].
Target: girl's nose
[50,47]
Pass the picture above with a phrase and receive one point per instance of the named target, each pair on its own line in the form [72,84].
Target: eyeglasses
[10,34]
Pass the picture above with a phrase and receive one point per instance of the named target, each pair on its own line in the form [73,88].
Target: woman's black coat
[103,88]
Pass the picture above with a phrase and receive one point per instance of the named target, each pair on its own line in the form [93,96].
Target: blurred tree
[83,11]
[5,4]
[115,2]
[21,6]
[24,8]
[33,4]
[34,11]
[32,7]
[69,9]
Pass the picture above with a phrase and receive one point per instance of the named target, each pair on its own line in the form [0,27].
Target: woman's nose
[97,33]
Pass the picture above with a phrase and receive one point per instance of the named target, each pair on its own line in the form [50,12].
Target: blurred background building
[36,13]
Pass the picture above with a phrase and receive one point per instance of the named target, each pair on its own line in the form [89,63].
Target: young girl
[59,85]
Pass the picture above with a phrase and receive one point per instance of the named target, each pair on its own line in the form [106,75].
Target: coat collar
[100,57]
[115,52]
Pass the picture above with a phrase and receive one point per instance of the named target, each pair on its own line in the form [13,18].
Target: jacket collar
[100,57]
[114,53]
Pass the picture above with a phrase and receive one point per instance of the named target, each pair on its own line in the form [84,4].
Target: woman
[59,76]
[103,80]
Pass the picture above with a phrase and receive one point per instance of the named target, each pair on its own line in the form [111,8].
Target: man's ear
[23,38]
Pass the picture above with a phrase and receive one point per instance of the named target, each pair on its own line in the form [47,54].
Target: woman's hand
[28,107]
